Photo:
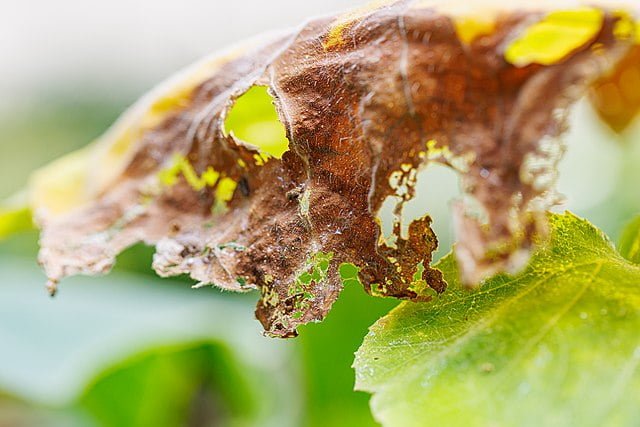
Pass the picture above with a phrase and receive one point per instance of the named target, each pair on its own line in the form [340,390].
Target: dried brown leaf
[367,99]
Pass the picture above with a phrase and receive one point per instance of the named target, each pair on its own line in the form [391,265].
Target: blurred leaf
[188,385]
[327,352]
[557,345]
[630,241]
[14,220]
[17,413]
[51,348]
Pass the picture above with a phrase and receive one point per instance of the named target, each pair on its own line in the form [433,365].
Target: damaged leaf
[560,340]
[346,110]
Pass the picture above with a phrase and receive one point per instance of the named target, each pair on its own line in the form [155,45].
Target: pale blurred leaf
[630,241]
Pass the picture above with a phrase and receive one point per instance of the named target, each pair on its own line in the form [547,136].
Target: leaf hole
[253,119]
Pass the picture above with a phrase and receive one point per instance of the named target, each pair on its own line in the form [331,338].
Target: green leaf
[556,345]
[327,352]
[14,220]
[176,385]
[630,241]
[15,215]
[133,344]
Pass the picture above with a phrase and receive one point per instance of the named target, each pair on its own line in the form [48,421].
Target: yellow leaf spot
[181,165]
[624,29]
[435,152]
[210,177]
[224,187]
[261,158]
[470,28]
[553,38]
[335,37]
[224,192]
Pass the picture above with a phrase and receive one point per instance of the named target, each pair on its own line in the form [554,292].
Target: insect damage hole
[436,186]
[253,119]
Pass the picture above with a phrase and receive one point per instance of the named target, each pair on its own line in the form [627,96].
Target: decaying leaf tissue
[363,101]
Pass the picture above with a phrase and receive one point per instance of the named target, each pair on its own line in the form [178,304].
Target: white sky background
[127,44]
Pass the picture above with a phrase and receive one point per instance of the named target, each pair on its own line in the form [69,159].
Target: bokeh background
[130,349]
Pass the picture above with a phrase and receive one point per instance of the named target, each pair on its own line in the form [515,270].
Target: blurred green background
[131,349]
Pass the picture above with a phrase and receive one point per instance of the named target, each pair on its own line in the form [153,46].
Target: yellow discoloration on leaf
[460,8]
[471,27]
[470,19]
[62,185]
[224,191]
[335,36]
[72,180]
[261,158]
[356,117]
[434,152]
[443,153]
[181,165]
[553,38]
[224,187]
[625,27]
[113,150]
